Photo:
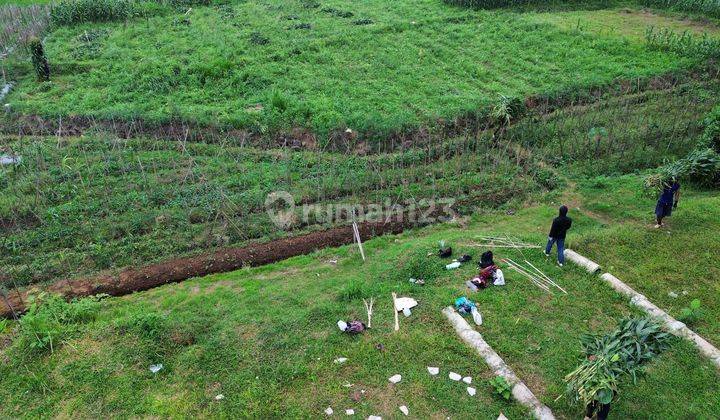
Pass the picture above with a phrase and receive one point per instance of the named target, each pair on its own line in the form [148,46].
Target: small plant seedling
[502,387]
[693,313]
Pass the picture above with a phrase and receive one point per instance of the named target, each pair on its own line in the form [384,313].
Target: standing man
[668,201]
[560,226]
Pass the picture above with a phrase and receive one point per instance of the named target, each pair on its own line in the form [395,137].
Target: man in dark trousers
[560,226]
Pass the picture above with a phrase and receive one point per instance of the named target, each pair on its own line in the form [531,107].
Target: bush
[71,12]
[50,319]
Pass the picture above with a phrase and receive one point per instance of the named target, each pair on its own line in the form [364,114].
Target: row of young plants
[95,204]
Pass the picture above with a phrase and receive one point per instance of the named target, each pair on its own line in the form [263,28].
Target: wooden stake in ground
[368,308]
[356,234]
[397,321]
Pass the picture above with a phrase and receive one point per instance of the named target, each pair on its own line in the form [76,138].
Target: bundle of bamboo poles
[534,274]
[503,242]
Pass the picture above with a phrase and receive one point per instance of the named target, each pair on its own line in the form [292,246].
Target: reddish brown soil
[135,279]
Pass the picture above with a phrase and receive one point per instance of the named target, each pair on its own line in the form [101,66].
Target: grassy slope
[684,254]
[265,337]
[144,201]
[418,61]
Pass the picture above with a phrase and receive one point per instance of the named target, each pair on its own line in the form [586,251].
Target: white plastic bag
[477,317]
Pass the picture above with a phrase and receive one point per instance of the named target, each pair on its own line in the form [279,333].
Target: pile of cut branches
[608,358]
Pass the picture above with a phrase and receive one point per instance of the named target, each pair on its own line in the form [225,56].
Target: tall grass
[70,12]
[708,7]
[20,24]
[684,43]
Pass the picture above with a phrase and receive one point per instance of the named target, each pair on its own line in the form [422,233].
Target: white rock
[404,410]
[219,397]
[454,376]
[329,411]
[467,380]
[156,368]
[350,412]
[395,378]
[348,385]
[341,360]
[342,325]
[374,418]
[433,370]
[502,417]
[672,294]
[471,391]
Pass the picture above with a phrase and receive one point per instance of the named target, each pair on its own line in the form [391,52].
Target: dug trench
[131,280]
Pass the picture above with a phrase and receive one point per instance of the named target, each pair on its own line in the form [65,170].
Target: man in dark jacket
[560,226]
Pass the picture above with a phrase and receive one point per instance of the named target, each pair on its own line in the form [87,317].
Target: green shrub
[708,7]
[501,387]
[50,318]
[71,12]
[4,325]
[40,62]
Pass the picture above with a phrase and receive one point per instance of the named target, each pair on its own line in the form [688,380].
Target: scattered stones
[673,294]
[219,397]
[472,391]
[374,418]
[350,412]
[395,379]
[340,360]
[156,368]
[404,410]
[329,411]
[467,380]
[455,376]
[433,370]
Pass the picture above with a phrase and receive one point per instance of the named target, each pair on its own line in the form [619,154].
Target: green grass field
[510,112]
[244,65]
[266,339]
